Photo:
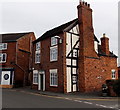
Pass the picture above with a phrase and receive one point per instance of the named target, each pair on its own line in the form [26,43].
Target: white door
[5,79]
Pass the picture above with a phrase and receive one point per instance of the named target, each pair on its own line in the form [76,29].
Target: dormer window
[3,46]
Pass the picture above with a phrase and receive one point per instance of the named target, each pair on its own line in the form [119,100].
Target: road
[23,99]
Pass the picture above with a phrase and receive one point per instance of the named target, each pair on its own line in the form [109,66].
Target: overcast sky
[40,16]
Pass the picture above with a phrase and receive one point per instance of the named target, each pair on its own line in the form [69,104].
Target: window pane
[0,57]
[113,74]
[37,56]
[35,78]
[38,46]
[0,46]
[4,57]
[53,41]
[53,79]
[53,54]
[4,46]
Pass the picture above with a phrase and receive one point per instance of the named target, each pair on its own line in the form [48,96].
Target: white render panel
[68,43]
[68,61]
[74,70]
[68,79]
[74,62]
[74,88]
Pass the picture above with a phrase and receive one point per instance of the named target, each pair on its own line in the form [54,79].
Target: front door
[5,78]
[41,85]
[41,81]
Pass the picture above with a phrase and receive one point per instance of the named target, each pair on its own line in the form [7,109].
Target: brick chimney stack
[105,44]
[86,46]
[86,29]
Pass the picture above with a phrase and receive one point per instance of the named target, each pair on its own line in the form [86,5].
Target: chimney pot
[88,5]
[83,3]
[104,35]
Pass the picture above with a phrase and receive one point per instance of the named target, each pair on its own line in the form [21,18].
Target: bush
[116,87]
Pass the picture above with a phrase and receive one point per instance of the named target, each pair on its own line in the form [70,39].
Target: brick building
[70,58]
[15,58]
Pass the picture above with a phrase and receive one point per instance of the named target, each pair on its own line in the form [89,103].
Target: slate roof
[11,37]
[59,29]
[55,31]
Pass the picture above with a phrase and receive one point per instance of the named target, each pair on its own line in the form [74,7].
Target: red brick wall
[91,66]
[24,59]
[20,61]
[11,54]
[97,71]
[47,65]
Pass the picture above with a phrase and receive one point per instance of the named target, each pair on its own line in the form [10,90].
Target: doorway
[41,78]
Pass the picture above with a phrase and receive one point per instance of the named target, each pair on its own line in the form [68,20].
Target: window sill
[37,62]
[53,60]
[54,86]
[35,83]
[2,62]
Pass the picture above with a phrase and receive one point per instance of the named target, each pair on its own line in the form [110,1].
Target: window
[53,41]
[113,74]
[53,77]
[35,77]
[37,53]
[3,57]
[37,56]
[38,46]
[3,46]
[53,53]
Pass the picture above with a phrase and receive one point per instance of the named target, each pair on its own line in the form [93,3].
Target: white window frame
[54,41]
[3,46]
[37,52]
[38,45]
[35,75]
[53,77]
[96,46]
[1,55]
[52,54]
[113,73]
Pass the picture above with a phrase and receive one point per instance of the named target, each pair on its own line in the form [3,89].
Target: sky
[39,16]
